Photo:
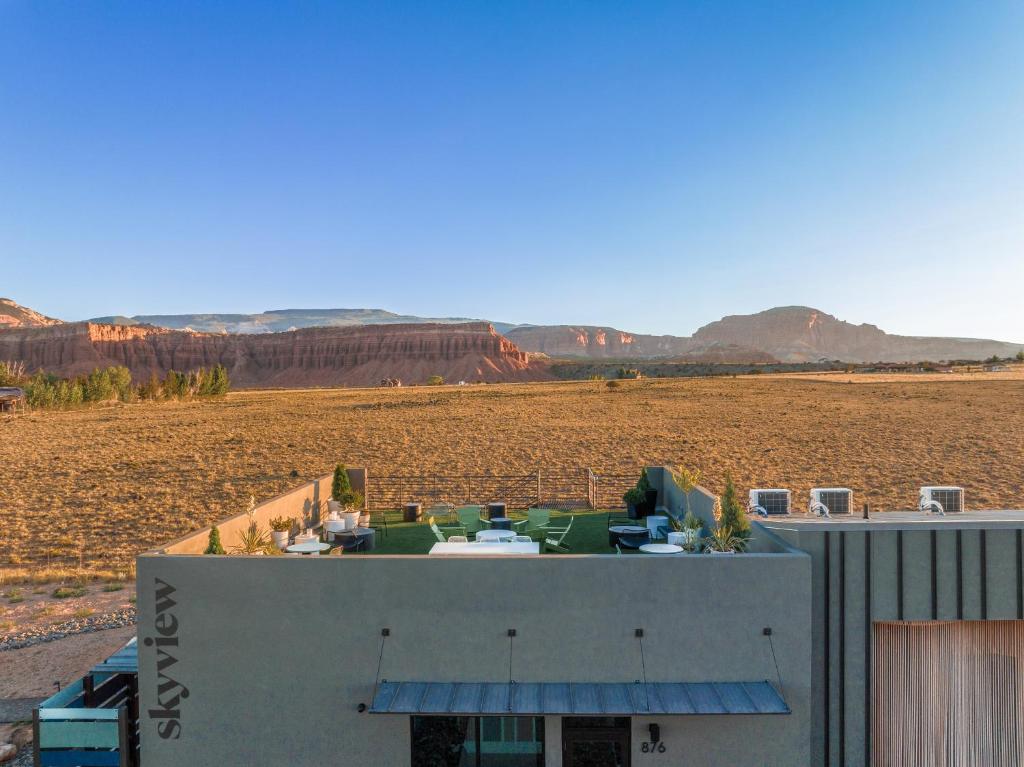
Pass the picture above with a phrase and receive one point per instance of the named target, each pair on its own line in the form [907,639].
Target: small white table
[495,535]
[661,548]
[312,548]
[484,549]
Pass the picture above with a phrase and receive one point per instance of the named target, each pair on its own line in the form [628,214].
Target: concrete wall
[277,653]
[304,503]
[700,501]
[874,571]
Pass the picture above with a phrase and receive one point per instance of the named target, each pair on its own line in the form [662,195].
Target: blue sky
[646,165]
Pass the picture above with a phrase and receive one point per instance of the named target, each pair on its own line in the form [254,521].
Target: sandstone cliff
[14,315]
[594,342]
[357,356]
[802,334]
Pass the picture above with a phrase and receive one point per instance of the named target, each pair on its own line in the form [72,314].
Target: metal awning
[578,698]
[124,661]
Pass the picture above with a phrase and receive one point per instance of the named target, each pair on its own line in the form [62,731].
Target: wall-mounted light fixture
[655,731]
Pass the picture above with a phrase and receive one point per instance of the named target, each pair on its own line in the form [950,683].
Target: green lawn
[588,535]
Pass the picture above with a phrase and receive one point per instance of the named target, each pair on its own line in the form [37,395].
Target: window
[472,741]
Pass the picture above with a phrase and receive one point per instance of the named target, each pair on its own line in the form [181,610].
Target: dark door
[595,742]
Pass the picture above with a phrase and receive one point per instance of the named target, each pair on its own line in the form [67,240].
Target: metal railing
[560,488]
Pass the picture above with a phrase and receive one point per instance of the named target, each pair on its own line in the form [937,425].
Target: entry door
[596,742]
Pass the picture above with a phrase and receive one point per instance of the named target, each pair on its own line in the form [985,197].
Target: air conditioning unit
[768,501]
[827,501]
[941,500]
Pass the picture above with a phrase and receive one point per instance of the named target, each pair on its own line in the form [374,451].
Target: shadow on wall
[304,504]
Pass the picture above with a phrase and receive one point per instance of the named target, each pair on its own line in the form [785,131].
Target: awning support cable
[384,634]
[639,633]
[771,645]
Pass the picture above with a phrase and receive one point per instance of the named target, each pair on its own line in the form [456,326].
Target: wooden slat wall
[948,693]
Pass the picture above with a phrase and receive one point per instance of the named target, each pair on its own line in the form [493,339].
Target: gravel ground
[41,634]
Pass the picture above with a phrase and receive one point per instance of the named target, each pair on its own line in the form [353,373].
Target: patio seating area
[549,531]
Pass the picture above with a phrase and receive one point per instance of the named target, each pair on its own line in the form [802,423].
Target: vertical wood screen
[948,693]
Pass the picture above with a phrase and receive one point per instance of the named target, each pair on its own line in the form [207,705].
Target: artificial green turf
[588,535]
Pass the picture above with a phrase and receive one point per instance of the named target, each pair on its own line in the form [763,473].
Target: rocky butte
[338,356]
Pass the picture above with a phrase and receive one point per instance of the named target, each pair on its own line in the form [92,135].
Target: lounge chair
[448,533]
[537,520]
[522,539]
[555,538]
[446,510]
[469,519]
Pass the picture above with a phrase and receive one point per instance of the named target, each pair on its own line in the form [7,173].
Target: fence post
[538,487]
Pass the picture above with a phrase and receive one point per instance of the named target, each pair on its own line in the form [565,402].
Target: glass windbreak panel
[444,741]
[511,741]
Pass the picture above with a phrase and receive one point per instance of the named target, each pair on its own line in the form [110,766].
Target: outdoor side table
[496,510]
[413,512]
[630,536]
[495,535]
[360,539]
[311,548]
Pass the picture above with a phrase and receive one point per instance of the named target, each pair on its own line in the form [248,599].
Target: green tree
[1020,356]
[213,544]
[98,387]
[733,515]
[121,382]
[341,486]
[219,383]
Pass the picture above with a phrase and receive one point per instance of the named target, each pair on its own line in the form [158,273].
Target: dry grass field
[103,484]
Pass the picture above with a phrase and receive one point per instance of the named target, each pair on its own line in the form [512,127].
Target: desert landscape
[94,487]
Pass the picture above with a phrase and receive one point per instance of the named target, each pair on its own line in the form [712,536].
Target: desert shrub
[435,380]
[1020,356]
[68,592]
[613,384]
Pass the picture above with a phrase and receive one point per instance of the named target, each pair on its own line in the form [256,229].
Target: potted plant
[692,526]
[280,527]
[347,499]
[650,494]
[723,541]
[634,498]
[677,535]
[641,499]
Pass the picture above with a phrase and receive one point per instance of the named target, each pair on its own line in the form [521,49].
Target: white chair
[458,539]
[522,539]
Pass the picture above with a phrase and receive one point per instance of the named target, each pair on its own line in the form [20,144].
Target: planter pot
[720,553]
[651,504]
[280,539]
[333,506]
[677,538]
[633,510]
[364,520]
[350,518]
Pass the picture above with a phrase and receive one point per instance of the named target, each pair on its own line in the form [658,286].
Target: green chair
[555,538]
[469,519]
[537,521]
[450,531]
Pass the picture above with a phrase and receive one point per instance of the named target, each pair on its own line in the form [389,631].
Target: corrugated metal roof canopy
[578,698]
